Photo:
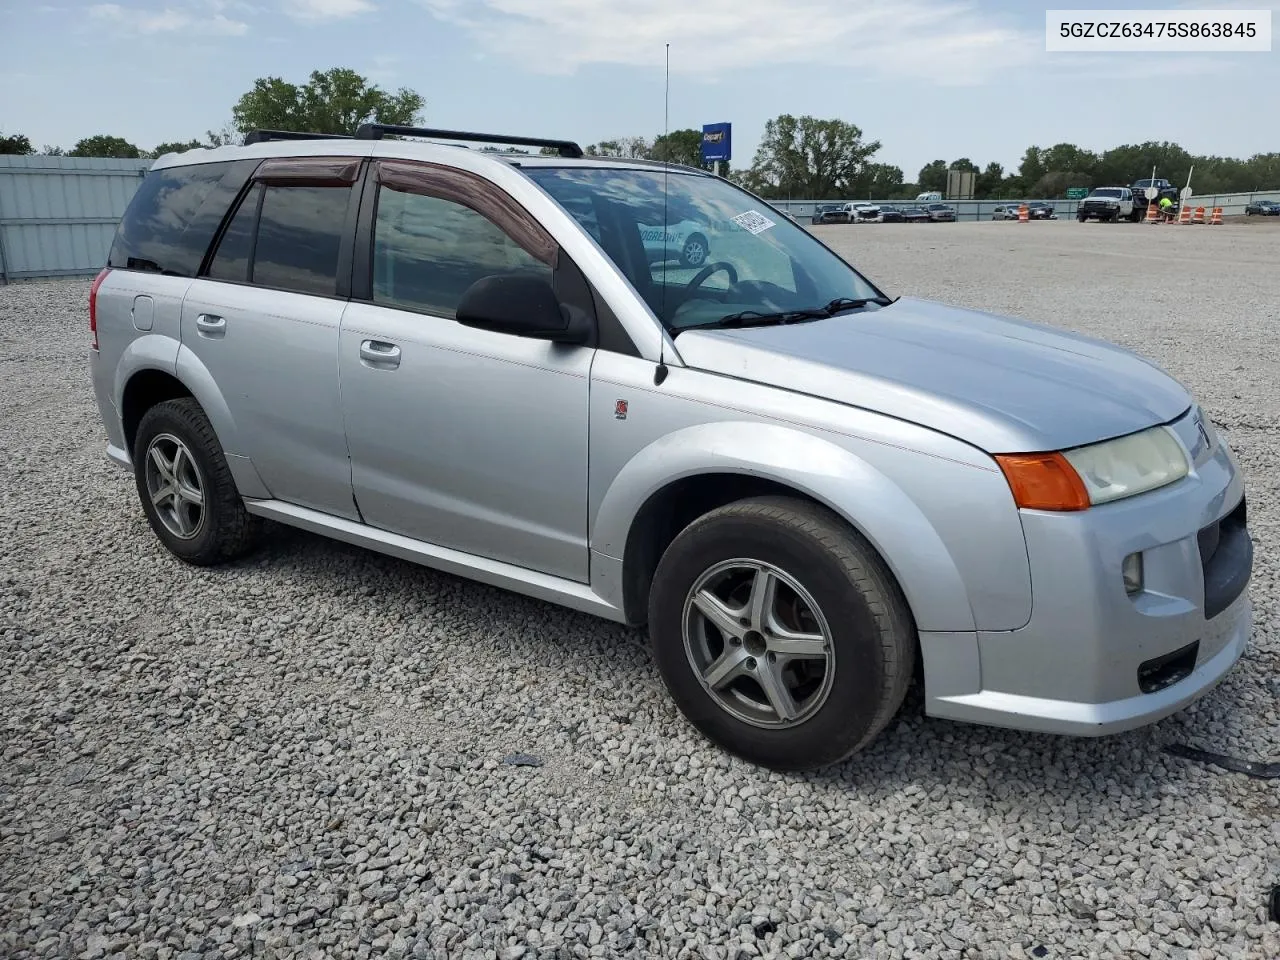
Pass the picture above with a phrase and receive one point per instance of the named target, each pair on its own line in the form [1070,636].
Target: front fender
[865,497]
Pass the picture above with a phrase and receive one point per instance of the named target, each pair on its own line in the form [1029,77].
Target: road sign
[1185,194]
[717,141]
[1151,193]
[1077,193]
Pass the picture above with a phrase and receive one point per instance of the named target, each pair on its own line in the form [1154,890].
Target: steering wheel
[700,277]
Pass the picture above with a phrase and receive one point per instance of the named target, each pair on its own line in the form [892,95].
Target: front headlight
[1099,473]
[1128,466]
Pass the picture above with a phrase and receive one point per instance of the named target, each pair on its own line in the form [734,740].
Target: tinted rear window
[299,237]
[173,216]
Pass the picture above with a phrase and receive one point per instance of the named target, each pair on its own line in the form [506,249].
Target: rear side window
[173,216]
[235,249]
[287,237]
[299,238]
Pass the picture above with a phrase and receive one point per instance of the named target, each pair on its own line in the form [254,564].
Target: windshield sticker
[753,221]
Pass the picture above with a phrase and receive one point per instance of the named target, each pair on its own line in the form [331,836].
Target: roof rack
[376,131]
[262,136]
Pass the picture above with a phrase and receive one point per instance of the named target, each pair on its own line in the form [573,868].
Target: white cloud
[200,20]
[327,9]
[945,41]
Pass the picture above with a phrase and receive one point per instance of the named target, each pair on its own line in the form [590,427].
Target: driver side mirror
[522,306]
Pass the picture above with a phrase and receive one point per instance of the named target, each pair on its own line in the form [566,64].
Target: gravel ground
[310,754]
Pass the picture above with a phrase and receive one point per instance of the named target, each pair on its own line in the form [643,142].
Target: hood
[1004,385]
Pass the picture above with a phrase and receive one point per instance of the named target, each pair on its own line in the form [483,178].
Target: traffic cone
[1024,213]
[1198,217]
[1184,215]
[1217,215]
[1153,212]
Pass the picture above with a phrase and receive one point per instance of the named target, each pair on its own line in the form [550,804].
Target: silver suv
[807,490]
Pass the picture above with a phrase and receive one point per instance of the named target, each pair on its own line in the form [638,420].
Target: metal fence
[58,214]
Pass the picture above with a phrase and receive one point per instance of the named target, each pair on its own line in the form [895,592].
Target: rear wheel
[186,488]
[780,633]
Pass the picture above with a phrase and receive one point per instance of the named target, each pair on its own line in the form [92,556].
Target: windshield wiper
[754,318]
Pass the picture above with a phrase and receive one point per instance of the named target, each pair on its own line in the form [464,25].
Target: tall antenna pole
[666,108]
[660,373]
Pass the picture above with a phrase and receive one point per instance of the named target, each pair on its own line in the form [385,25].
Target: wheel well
[144,390]
[670,510]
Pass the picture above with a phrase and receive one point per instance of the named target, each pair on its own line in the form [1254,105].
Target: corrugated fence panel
[58,215]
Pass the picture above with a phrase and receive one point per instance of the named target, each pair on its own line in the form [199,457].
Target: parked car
[685,241]
[940,211]
[890,214]
[1107,204]
[863,212]
[915,215]
[1041,210]
[1264,208]
[830,213]
[802,486]
[1006,211]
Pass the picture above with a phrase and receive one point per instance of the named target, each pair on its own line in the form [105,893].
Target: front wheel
[780,633]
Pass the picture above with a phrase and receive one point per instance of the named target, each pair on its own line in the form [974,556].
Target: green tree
[335,101]
[49,150]
[102,145]
[809,157]
[989,181]
[965,164]
[16,143]
[933,176]
[628,148]
[678,146]
[1032,167]
[877,181]
[176,147]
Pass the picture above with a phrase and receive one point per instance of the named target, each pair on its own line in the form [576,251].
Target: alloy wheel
[758,643]
[175,486]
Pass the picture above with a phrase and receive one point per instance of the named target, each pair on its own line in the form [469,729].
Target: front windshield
[706,251]
[1106,193]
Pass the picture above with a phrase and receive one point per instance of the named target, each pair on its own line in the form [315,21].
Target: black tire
[225,531]
[871,632]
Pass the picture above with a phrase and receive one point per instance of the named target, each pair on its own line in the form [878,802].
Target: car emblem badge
[620,409]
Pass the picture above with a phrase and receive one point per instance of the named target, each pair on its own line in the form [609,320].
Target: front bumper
[1094,660]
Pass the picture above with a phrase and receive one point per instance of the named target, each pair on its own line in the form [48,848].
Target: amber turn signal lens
[1043,481]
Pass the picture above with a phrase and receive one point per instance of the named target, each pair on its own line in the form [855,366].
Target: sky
[929,79]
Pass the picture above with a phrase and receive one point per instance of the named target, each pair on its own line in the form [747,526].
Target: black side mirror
[522,306]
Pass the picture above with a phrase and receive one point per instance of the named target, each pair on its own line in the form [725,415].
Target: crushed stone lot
[314,753]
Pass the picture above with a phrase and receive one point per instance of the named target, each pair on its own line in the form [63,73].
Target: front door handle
[211,327]
[379,354]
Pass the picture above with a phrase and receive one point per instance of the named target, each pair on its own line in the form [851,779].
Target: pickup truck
[1108,204]
[1139,189]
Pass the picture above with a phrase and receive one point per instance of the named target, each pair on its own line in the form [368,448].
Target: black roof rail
[262,136]
[376,131]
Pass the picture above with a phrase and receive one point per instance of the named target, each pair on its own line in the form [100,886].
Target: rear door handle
[379,354]
[210,326]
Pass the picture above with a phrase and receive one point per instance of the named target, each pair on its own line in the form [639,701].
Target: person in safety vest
[1166,208]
